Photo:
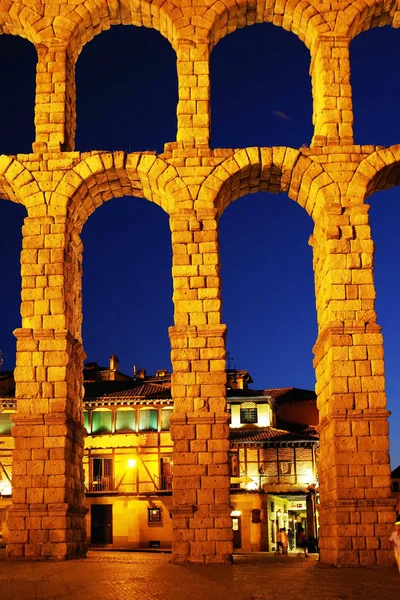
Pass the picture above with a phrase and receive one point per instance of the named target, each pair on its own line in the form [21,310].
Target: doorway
[237,532]
[101,524]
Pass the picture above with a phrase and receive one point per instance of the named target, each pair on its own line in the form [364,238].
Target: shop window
[125,420]
[6,424]
[165,414]
[248,412]
[101,422]
[286,468]
[148,420]
[234,465]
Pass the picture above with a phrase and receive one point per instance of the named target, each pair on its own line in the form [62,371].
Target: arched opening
[127,91]
[255,73]
[376,89]
[384,231]
[269,308]
[127,308]
[11,218]
[17,101]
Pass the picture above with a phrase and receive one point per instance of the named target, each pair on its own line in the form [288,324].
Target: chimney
[114,364]
[134,371]
[141,373]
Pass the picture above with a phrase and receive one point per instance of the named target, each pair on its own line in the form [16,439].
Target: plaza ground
[151,576]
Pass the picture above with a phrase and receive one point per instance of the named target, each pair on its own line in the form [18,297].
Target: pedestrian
[395,539]
[291,538]
[302,541]
[279,541]
[285,540]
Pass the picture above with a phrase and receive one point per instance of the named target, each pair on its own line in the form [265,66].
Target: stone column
[55,102]
[333,108]
[47,519]
[202,528]
[356,512]
[194,93]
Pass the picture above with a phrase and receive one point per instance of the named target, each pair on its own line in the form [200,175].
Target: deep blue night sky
[261,95]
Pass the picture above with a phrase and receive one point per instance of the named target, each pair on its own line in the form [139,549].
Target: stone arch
[89,19]
[379,171]
[301,18]
[365,14]
[18,184]
[274,170]
[107,175]
[24,20]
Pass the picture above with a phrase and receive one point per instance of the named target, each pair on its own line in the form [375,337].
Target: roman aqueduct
[193,183]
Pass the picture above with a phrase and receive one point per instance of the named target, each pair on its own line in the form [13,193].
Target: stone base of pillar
[356,533]
[200,537]
[47,534]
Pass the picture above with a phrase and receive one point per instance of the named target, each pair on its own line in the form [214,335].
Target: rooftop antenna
[229,358]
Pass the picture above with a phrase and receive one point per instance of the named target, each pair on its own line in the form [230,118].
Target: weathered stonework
[60,189]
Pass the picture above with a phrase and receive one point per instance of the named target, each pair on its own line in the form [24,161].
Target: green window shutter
[148,420]
[5,424]
[126,420]
[165,414]
[101,422]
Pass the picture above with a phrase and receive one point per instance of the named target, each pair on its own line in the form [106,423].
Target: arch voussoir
[377,172]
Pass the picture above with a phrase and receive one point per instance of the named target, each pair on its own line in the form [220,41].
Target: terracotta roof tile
[266,434]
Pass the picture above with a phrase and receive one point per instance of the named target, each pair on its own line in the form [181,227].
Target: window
[154,515]
[165,414]
[5,424]
[101,421]
[101,474]
[125,420]
[234,464]
[248,412]
[148,420]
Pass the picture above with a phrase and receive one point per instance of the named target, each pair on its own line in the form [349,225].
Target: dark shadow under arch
[127,91]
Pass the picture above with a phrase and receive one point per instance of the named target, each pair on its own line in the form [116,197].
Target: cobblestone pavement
[144,576]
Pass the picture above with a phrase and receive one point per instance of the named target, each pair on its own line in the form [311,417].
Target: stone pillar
[333,108]
[194,93]
[202,528]
[356,511]
[47,519]
[55,102]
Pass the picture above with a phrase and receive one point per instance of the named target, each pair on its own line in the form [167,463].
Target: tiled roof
[113,390]
[280,395]
[266,434]
[299,428]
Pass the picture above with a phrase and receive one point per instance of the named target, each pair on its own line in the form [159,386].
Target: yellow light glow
[252,485]
[236,513]
[131,463]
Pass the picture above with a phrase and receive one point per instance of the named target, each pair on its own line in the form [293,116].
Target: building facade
[128,459]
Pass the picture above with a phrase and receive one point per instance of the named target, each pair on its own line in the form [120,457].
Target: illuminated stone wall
[60,188]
